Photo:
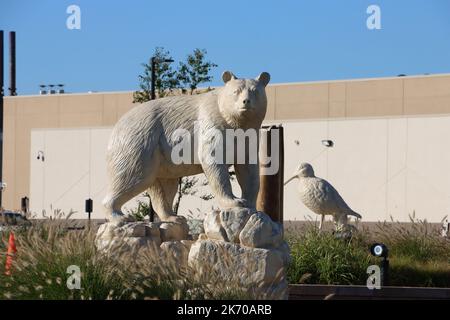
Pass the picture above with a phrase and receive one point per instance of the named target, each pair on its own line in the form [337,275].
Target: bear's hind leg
[113,207]
[121,191]
[114,201]
[162,193]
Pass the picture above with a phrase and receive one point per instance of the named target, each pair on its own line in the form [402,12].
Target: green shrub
[322,258]
[140,212]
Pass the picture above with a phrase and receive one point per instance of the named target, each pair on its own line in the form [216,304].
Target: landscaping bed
[322,266]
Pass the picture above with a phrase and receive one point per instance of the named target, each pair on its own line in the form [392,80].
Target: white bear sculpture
[139,154]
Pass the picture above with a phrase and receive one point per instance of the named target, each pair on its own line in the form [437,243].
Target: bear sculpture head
[243,102]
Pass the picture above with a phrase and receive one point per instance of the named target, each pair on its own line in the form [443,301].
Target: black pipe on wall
[12,64]
[2,68]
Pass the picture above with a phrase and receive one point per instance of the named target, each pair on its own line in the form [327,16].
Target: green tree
[166,77]
[194,71]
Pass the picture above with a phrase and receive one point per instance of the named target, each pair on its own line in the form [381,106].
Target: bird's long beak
[290,179]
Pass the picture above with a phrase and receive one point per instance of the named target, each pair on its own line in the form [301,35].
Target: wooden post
[270,196]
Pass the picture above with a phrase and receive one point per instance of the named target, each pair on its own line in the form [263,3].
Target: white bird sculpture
[321,197]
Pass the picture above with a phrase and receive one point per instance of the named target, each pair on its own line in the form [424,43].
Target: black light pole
[154,62]
[153,96]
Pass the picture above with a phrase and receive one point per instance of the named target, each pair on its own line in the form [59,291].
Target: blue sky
[293,40]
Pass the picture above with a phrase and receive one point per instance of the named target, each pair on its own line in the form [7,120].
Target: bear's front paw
[178,219]
[233,203]
[119,218]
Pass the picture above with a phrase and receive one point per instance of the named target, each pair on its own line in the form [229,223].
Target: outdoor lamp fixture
[40,155]
[60,88]
[381,251]
[42,90]
[154,61]
[328,143]
[51,90]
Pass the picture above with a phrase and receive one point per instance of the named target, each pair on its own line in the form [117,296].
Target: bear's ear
[227,76]
[263,78]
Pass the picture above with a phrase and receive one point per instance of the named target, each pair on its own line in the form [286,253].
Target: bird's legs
[322,218]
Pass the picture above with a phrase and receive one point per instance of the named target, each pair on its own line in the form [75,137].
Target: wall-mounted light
[328,143]
[40,156]
[2,186]
[297,142]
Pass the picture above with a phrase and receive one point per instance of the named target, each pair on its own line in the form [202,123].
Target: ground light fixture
[381,251]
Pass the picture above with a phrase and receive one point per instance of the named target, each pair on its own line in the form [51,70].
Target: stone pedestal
[168,240]
[239,248]
[243,248]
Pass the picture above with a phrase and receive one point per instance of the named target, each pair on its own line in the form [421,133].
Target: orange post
[11,252]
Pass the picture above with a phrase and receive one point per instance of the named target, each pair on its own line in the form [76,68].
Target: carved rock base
[163,238]
[246,249]
[238,248]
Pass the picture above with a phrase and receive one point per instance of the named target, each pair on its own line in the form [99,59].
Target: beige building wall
[24,113]
[73,170]
[404,117]
[382,167]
